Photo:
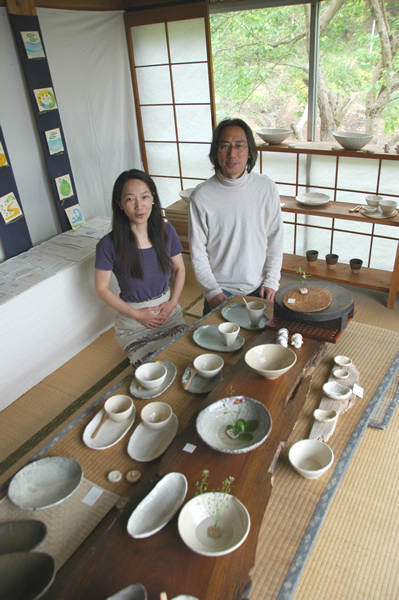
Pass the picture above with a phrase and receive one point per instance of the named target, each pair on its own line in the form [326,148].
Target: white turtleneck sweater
[236,234]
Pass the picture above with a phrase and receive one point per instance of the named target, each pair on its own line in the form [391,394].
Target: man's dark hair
[253,153]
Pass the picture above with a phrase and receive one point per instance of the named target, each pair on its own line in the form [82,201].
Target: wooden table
[110,559]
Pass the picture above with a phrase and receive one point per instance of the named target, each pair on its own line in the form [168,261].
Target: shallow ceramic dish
[196,516]
[199,385]
[135,591]
[147,444]
[212,421]
[311,458]
[21,536]
[158,507]
[237,313]
[313,199]
[138,392]
[208,337]
[325,416]
[270,360]
[25,575]
[342,361]
[110,433]
[45,482]
[336,391]
[273,136]
[351,140]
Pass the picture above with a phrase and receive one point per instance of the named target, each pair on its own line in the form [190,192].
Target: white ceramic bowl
[208,365]
[311,458]
[273,136]
[373,200]
[151,375]
[336,391]
[341,373]
[270,360]
[156,415]
[118,408]
[196,516]
[325,416]
[342,361]
[351,140]
[387,206]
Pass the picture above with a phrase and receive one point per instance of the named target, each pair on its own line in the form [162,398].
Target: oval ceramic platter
[237,313]
[138,391]
[45,482]
[158,507]
[26,575]
[208,337]
[313,199]
[110,433]
[147,444]
[198,384]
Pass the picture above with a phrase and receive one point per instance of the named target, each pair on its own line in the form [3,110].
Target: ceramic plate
[212,421]
[158,507]
[21,536]
[237,313]
[26,575]
[144,394]
[198,384]
[208,337]
[110,433]
[45,482]
[147,444]
[313,199]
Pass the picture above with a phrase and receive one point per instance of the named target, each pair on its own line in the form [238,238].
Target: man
[235,223]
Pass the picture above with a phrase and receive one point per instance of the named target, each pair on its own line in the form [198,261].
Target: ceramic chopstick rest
[296,340]
[282,337]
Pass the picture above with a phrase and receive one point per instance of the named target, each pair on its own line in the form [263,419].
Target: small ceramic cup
[355,264]
[373,200]
[331,260]
[256,310]
[118,408]
[229,332]
[387,206]
[311,256]
[156,415]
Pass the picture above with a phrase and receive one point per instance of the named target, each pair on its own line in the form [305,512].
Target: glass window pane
[154,85]
[149,44]
[194,123]
[279,167]
[162,159]
[313,239]
[389,177]
[190,83]
[357,174]
[195,161]
[383,256]
[158,123]
[179,33]
[319,170]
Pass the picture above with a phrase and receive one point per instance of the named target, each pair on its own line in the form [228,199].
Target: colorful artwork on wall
[9,208]
[64,187]
[54,141]
[75,216]
[33,44]
[45,99]
[3,157]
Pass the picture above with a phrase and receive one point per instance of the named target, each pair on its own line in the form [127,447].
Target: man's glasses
[239,147]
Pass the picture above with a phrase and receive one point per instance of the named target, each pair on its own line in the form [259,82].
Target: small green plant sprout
[238,428]
[214,501]
[303,276]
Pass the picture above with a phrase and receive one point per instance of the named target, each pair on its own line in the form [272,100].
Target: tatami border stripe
[298,564]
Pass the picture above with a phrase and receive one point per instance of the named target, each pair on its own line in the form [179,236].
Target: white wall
[88,59]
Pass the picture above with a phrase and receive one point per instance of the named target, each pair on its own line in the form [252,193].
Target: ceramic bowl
[341,373]
[185,194]
[118,408]
[351,140]
[151,375]
[156,415]
[158,507]
[21,536]
[26,575]
[342,361]
[196,517]
[373,201]
[311,458]
[273,136]
[213,419]
[208,365]
[270,360]
[336,391]
[387,206]
[325,416]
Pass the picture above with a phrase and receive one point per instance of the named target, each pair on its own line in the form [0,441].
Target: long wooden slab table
[110,559]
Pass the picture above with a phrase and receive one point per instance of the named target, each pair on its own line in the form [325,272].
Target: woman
[144,252]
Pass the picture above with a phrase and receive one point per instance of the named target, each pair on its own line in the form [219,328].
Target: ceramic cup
[355,264]
[387,206]
[229,332]
[118,408]
[331,260]
[256,310]
[373,200]
[311,256]
[156,415]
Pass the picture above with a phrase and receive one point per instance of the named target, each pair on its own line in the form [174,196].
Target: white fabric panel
[158,123]
[190,83]
[162,159]
[195,161]
[194,123]
[88,58]
[154,85]
[149,44]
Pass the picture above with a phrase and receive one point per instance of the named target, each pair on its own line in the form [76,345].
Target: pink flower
[238,400]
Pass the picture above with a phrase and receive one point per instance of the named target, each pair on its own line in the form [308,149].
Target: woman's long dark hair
[253,153]
[124,239]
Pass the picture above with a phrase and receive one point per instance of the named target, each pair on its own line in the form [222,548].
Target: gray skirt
[137,340]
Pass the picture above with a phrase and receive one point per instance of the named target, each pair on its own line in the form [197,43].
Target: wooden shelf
[329,149]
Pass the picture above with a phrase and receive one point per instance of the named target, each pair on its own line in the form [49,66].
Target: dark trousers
[208,309]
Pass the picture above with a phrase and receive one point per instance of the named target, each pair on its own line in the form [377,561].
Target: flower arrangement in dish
[214,501]
[302,278]
[234,425]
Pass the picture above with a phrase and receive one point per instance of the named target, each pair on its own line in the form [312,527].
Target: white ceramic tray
[147,444]
[110,433]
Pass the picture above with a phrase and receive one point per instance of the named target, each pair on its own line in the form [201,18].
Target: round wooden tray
[379,215]
[315,300]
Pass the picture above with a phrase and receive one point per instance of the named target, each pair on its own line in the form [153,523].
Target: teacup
[156,415]
[229,332]
[256,310]
[373,200]
[387,206]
